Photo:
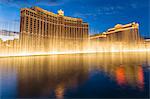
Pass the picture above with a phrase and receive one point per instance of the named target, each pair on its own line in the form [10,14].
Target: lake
[101,75]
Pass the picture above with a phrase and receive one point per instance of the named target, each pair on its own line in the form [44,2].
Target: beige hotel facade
[47,31]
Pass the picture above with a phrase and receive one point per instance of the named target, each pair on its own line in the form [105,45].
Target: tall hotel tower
[45,31]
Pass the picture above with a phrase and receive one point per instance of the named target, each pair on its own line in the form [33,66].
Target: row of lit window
[54,29]
[66,24]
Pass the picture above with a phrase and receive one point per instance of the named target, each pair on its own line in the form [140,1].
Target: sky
[100,14]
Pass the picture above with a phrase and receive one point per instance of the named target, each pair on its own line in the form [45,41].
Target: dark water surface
[105,75]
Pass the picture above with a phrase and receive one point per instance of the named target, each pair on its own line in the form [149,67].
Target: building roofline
[51,13]
[120,26]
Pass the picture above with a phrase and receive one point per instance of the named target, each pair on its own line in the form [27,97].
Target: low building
[147,43]
[128,33]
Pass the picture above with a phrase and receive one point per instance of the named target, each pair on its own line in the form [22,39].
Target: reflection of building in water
[53,75]
[120,76]
[133,76]
[42,76]
[140,77]
[59,91]
[45,31]
[124,68]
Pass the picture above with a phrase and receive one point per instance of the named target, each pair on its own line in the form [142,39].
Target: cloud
[95,12]
[51,2]
[82,15]
[26,3]
[110,10]
[133,5]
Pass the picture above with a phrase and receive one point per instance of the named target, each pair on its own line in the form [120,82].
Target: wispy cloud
[99,11]
[107,10]
[26,3]
[134,5]
[82,15]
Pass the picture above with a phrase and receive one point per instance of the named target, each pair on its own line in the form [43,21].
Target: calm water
[122,75]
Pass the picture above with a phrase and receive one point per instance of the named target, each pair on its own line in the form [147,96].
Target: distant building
[8,35]
[128,33]
[9,41]
[147,42]
[44,30]
[1,41]
[99,37]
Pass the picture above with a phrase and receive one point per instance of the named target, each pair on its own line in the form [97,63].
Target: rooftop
[60,13]
[126,26]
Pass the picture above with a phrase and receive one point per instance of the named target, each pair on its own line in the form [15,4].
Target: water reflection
[120,75]
[132,77]
[53,76]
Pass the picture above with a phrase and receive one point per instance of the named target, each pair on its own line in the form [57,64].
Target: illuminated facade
[147,43]
[120,38]
[9,42]
[128,33]
[45,31]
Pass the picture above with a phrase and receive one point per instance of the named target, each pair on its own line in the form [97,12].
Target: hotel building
[119,38]
[128,33]
[42,30]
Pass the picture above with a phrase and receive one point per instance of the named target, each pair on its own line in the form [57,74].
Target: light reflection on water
[78,75]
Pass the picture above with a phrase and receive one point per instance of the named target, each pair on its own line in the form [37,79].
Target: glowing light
[117,39]
[5,38]
[73,52]
[59,91]
[140,77]
[120,76]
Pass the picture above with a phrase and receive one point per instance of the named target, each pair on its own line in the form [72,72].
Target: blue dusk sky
[100,14]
